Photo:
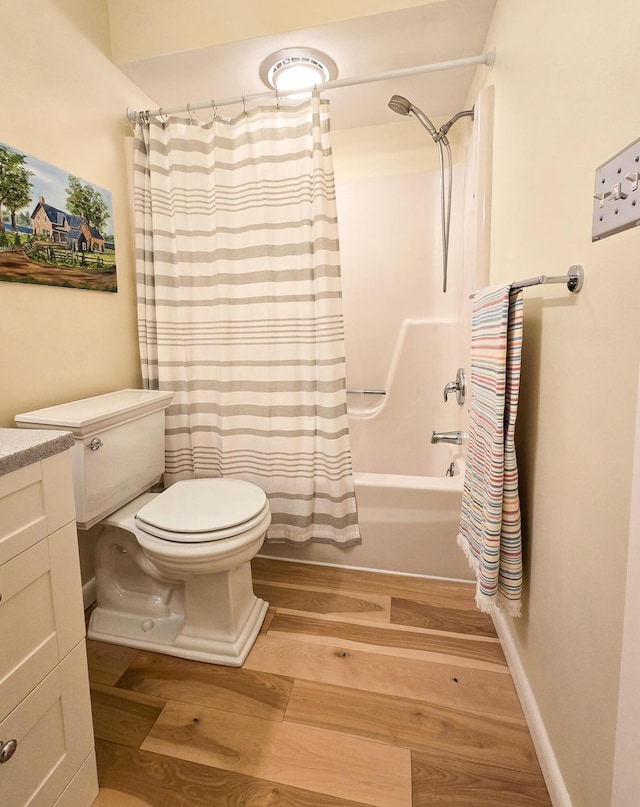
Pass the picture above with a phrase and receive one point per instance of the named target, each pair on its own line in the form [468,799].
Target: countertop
[20,447]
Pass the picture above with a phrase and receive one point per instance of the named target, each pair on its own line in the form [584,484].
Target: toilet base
[166,635]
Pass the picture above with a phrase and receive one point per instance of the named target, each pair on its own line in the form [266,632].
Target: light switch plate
[616,195]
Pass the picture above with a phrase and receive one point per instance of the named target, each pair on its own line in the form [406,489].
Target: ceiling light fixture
[297,68]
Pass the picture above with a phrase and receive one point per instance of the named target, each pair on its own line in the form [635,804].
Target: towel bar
[574,280]
[366,392]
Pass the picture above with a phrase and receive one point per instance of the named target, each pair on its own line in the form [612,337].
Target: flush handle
[7,750]
[95,444]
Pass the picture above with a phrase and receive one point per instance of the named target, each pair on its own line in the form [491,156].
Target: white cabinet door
[27,625]
[53,734]
[41,616]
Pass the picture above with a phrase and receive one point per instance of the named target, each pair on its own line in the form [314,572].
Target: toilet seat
[202,510]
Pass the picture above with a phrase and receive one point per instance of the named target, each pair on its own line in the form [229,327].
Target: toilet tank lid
[89,415]
[203,505]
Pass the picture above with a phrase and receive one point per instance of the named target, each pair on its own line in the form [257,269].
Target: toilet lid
[202,506]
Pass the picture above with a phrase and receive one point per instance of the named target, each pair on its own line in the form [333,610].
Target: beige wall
[64,102]
[565,100]
[146,28]
[626,780]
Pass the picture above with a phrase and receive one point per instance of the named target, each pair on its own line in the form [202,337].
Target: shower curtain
[240,310]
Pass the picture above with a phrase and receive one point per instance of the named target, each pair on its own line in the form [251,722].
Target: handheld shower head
[400,105]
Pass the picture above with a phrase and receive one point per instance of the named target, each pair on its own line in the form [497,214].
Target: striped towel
[490,530]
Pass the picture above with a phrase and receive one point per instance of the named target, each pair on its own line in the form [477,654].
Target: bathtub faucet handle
[459,386]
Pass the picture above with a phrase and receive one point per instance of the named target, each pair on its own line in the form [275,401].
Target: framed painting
[55,228]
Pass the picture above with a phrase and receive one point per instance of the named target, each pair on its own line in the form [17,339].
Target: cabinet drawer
[22,510]
[41,616]
[52,728]
[34,501]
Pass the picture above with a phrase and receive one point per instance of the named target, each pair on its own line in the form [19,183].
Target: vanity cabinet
[46,736]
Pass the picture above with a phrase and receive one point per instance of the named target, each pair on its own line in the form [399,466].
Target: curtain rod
[486,59]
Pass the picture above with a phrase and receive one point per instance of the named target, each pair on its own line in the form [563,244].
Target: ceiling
[426,34]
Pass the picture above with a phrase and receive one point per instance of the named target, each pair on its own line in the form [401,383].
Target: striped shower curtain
[240,311]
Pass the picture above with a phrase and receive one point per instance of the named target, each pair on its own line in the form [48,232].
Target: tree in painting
[84,200]
[15,186]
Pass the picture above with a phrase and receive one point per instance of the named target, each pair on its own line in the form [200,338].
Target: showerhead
[400,105]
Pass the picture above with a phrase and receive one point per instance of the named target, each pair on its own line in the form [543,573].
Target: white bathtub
[408,524]
[408,508]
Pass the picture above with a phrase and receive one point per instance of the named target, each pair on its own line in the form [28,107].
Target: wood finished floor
[362,690]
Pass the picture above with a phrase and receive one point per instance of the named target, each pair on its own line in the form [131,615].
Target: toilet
[172,569]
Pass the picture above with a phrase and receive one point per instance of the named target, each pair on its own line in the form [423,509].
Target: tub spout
[455,438]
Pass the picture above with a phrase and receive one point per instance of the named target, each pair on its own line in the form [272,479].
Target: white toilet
[172,569]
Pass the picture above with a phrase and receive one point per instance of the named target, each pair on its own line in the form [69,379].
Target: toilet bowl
[172,569]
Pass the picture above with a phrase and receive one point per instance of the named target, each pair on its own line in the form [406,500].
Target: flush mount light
[297,68]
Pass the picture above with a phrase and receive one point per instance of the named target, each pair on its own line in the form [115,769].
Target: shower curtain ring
[164,118]
[277,101]
[215,109]
[244,104]
[190,113]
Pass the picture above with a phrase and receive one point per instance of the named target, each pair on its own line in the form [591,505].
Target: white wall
[388,199]
[565,100]
[390,251]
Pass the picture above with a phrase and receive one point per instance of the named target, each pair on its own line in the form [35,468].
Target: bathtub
[408,508]
[409,524]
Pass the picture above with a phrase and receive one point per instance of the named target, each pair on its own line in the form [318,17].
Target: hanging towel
[490,528]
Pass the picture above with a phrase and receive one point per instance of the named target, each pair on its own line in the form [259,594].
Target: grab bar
[366,392]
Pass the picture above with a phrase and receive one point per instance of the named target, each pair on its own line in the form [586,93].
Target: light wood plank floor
[362,690]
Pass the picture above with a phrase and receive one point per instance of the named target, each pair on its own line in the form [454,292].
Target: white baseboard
[558,792]
[89,593]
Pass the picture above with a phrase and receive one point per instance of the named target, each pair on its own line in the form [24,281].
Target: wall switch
[616,194]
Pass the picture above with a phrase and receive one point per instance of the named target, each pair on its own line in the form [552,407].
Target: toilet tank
[119,446]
